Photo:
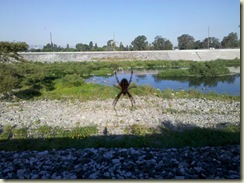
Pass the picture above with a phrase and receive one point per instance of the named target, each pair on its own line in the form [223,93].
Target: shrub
[208,69]
[72,80]
[9,78]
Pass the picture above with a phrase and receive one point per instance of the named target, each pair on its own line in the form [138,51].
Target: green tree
[168,45]
[160,43]
[186,41]
[95,47]
[48,47]
[198,44]
[11,49]
[211,42]
[140,43]
[91,45]
[121,46]
[230,41]
[82,47]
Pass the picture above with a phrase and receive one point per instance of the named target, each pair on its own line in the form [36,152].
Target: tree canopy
[161,43]
[230,41]
[140,43]
[186,41]
[10,49]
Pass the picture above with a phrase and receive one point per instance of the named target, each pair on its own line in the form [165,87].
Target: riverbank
[149,111]
[170,55]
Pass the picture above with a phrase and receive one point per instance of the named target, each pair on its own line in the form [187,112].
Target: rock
[43,153]
[20,173]
[179,177]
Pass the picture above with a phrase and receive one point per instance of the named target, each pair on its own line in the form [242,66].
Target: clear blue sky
[82,21]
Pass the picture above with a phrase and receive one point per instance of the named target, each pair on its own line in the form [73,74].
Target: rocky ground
[116,163]
[119,163]
[148,111]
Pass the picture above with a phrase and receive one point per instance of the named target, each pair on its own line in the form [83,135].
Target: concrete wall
[195,55]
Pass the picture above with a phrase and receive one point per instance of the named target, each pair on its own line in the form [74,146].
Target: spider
[123,85]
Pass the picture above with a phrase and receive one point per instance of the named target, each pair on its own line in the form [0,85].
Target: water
[229,85]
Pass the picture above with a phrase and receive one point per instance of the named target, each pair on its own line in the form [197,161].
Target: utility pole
[51,41]
[208,37]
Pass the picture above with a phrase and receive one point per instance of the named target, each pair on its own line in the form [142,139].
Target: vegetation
[44,131]
[28,80]
[185,41]
[8,50]
[48,138]
[198,69]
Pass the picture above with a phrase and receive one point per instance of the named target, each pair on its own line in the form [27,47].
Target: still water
[229,85]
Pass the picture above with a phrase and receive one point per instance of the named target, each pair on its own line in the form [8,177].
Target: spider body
[123,85]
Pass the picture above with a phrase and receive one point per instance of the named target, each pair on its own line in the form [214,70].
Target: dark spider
[123,85]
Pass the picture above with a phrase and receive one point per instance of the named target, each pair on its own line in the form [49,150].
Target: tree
[11,49]
[160,43]
[198,44]
[230,41]
[111,45]
[140,43]
[82,47]
[47,48]
[121,46]
[168,45]
[95,47]
[186,41]
[211,42]
[90,45]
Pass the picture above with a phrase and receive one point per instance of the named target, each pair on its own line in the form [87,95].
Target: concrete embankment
[194,55]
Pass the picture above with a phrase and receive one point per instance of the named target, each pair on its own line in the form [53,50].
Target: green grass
[141,137]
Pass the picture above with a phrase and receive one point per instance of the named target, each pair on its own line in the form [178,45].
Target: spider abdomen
[124,85]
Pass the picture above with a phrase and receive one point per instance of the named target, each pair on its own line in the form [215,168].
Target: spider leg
[131,87]
[118,86]
[116,99]
[131,98]
[131,76]
[116,77]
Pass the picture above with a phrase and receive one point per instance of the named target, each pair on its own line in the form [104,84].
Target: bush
[72,80]
[208,69]
[9,78]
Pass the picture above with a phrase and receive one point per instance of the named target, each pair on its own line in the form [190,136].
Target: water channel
[229,85]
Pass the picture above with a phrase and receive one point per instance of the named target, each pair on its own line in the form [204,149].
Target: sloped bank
[194,55]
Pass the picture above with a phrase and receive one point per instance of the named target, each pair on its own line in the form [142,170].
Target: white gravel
[148,111]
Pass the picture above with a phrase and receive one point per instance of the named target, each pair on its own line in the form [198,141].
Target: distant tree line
[185,41]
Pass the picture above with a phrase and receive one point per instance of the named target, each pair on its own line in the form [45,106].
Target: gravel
[150,111]
[118,163]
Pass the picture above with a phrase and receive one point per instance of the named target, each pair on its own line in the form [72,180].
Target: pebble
[176,113]
[175,166]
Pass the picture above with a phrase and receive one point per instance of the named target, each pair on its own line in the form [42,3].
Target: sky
[81,21]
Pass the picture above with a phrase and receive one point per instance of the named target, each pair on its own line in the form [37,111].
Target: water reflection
[225,84]
[194,81]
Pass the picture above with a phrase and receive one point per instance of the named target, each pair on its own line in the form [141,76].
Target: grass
[44,131]
[140,137]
